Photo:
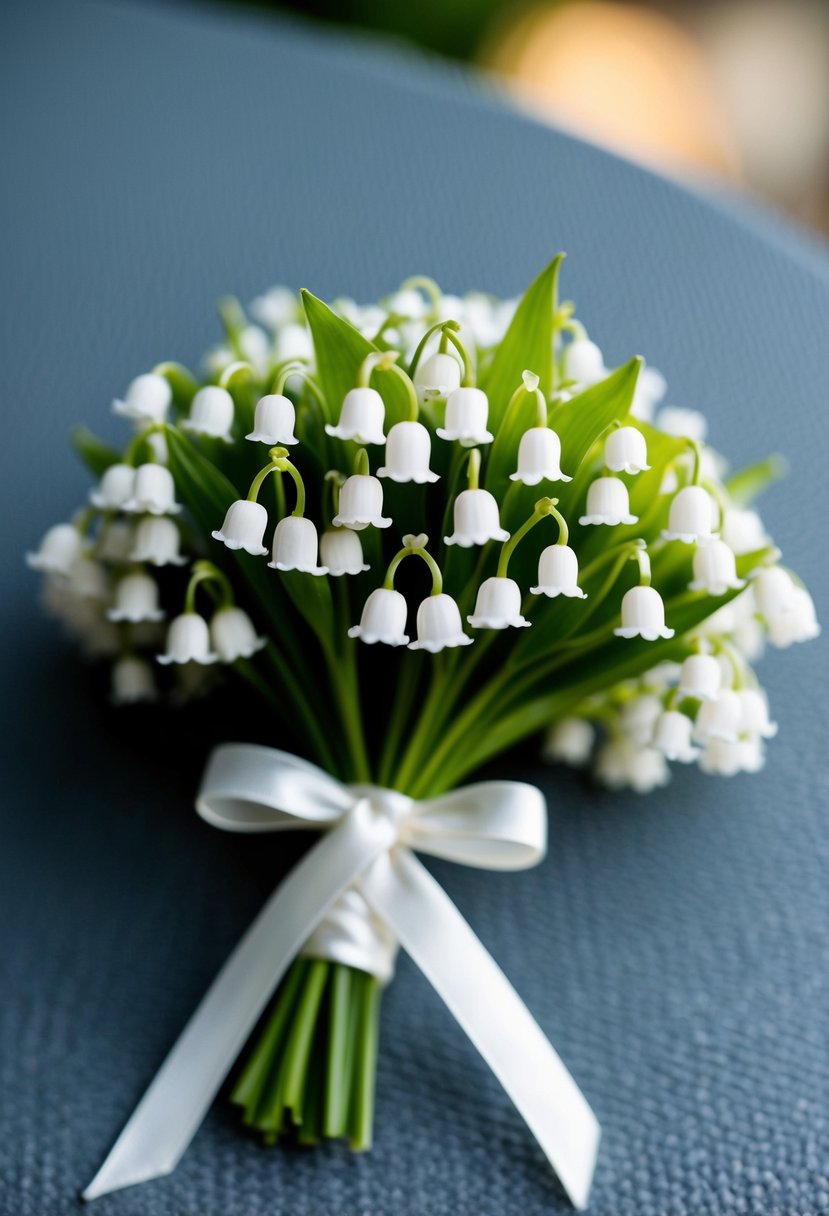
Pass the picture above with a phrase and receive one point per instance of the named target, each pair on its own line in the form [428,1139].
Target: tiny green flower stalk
[399,517]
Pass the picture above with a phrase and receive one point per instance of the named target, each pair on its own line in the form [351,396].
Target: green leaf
[744,486]
[96,455]
[339,350]
[527,344]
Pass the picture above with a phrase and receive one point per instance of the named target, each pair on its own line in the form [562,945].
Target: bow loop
[494,825]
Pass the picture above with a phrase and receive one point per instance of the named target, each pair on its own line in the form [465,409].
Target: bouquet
[421,532]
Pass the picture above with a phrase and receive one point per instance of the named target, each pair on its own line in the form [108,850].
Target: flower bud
[341,552]
[211,413]
[539,457]
[691,516]
[115,488]
[558,572]
[361,503]
[498,605]
[383,619]
[136,599]
[467,410]
[715,570]
[570,741]
[700,677]
[608,503]
[157,541]
[643,615]
[233,635]
[133,680]
[439,625]
[244,527]
[188,641]
[476,520]
[672,737]
[154,491]
[361,417]
[438,376]
[295,546]
[274,420]
[408,449]
[58,551]
[147,399]
[625,450]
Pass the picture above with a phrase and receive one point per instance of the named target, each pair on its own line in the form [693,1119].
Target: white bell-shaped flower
[719,719]
[58,551]
[341,552]
[700,677]
[691,516]
[136,599]
[620,765]
[467,411]
[643,615]
[361,417]
[157,540]
[638,718]
[584,362]
[383,619]
[570,741]
[115,489]
[682,423]
[244,527]
[608,503]
[188,641]
[798,623]
[558,573]
[774,591]
[715,570]
[274,420]
[439,625]
[539,457]
[743,530]
[88,580]
[147,399]
[116,541]
[361,503]
[211,413]
[255,347]
[672,737]
[408,449]
[498,605]
[154,491]
[476,519]
[754,719]
[233,635]
[625,450]
[294,341]
[295,546]
[726,758]
[277,307]
[133,680]
[438,376]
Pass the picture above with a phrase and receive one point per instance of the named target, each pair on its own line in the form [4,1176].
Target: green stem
[543,508]
[365,1063]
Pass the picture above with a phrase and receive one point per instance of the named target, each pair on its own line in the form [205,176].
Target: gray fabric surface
[675,947]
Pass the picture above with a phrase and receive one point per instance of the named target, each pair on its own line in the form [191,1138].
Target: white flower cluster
[111,572]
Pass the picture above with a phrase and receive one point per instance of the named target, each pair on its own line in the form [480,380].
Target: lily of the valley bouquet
[421,531]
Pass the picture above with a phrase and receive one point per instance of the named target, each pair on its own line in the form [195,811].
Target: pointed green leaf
[339,350]
[745,485]
[96,455]
[527,344]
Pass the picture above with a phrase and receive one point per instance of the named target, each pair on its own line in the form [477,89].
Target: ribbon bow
[367,845]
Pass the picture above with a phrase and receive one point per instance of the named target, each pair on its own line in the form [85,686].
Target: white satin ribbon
[370,835]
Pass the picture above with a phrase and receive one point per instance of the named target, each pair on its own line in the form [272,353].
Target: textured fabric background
[675,947]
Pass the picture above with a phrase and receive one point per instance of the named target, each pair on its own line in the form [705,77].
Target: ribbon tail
[169,1114]
[429,926]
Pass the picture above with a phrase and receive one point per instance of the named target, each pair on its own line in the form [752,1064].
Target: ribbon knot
[357,893]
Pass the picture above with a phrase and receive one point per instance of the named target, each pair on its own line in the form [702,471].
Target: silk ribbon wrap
[368,848]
